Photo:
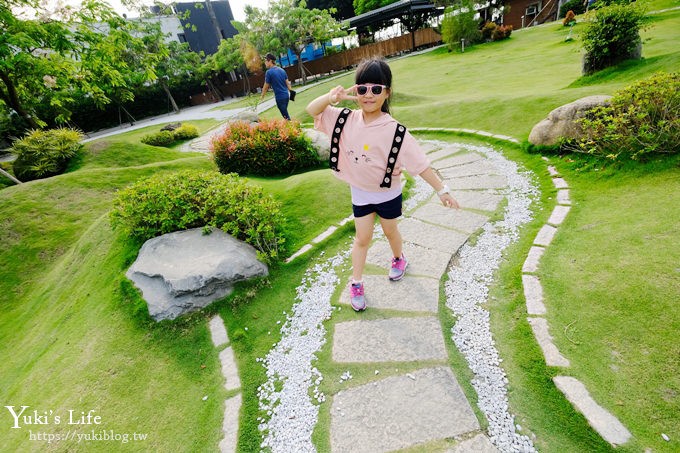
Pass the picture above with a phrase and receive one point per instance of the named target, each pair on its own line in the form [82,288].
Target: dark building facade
[198,28]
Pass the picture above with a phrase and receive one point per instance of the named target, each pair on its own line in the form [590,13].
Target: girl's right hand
[339,93]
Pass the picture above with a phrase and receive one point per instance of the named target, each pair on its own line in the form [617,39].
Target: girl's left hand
[449,201]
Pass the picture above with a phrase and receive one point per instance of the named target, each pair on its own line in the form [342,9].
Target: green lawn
[75,335]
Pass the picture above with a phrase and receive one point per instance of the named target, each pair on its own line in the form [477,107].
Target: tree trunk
[213,20]
[301,68]
[167,91]
[13,101]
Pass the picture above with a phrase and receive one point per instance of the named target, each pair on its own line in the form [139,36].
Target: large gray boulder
[561,122]
[321,143]
[185,271]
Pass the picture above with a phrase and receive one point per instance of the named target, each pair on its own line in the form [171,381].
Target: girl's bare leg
[364,234]
[391,230]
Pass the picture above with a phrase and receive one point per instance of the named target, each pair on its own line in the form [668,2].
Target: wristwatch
[444,190]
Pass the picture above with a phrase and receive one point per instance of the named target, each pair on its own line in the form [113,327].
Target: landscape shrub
[501,32]
[642,120]
[458,24]
[162,138]
[190,199]
[612,35]
[185,132]
[569,18]
[494,32]
[576,6]
[44,153]
[271,147]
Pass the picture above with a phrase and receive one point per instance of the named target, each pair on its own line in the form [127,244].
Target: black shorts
[387,210]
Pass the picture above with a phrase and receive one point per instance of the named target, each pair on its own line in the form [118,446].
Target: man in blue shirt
[277,79]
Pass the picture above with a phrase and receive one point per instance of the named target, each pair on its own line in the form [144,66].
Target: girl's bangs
[373,73]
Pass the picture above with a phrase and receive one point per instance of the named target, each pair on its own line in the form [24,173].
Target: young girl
[368,150]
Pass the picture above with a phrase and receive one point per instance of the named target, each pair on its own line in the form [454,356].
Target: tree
[177,62]
[459,24]
[46,62]
[297,26]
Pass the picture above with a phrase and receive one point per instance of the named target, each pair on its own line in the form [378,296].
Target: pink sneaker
[398,268]
[356,296]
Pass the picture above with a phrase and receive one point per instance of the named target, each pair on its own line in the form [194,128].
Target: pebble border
[604,422]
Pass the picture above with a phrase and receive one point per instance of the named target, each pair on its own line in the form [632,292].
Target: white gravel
[284,397]
[466,292]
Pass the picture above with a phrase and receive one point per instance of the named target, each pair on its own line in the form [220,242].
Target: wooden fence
[345,60]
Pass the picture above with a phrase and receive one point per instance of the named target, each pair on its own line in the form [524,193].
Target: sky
[237,6]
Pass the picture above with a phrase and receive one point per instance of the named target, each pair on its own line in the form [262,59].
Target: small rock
[205,398]
[665,437]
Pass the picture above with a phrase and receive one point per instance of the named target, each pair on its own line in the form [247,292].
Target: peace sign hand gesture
[339,93]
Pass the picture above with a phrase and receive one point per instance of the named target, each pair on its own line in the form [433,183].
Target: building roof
[392,11]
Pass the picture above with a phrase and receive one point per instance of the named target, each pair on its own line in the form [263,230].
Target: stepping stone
[457,160]
[478,182]
[445,152]
[550,352]
[606,424]
[408,294]
[218,333]
[389,340]
[400,412]
[558,215]
[478,444]
[461,220]
[563,196]
[428,147]
[481,167]
[545,235]
[560,183]
[476,199]
[232,407]
[431,236]
[533,257]
[421,261]
[229,369]
[533,294]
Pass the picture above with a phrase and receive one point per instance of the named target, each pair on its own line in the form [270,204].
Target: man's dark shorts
[387,210]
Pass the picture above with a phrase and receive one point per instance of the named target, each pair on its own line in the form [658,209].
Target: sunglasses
[375,89]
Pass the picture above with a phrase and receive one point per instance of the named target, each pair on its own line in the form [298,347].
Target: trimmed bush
[44,153]
[185,132]
[641,121]
[501,32]
[190,199]
[162,138]
[611,36]
[274,147]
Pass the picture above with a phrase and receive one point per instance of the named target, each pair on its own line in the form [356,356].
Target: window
[181,37]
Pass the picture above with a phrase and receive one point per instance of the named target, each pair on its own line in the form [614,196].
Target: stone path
[426,406]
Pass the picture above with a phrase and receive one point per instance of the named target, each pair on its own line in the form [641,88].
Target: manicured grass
[74,334]
[614,312]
